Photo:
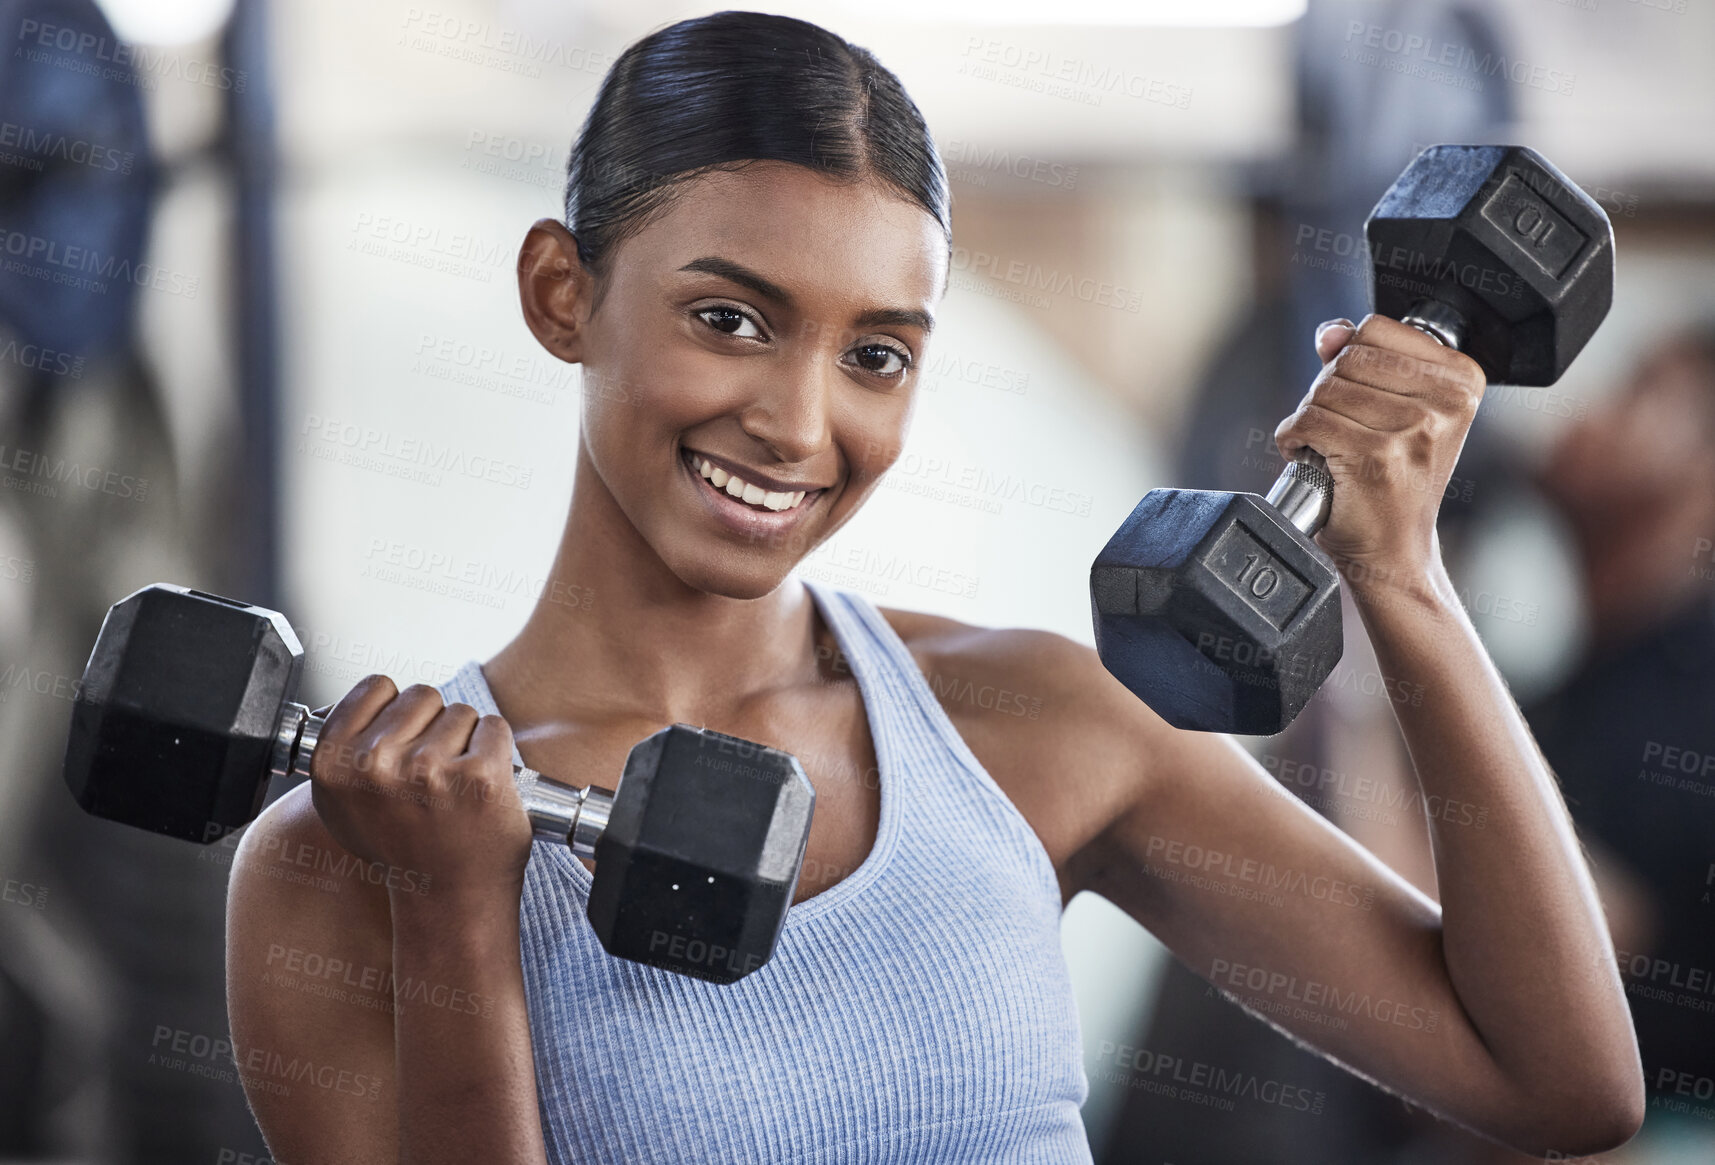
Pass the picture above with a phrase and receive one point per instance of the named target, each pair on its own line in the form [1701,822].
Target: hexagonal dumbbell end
[1215,611]
[700,857]
[174,722]
[1521,258]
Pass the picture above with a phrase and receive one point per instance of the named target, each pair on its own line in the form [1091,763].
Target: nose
[789,410]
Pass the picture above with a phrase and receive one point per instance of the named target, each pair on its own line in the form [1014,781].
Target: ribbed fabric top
[917,1011]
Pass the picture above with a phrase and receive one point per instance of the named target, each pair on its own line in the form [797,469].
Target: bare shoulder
[969,666]
[1064,740]
[309,943]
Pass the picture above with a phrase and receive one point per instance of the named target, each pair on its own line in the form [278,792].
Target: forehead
[847,240]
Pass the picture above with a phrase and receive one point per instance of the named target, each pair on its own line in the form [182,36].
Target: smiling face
[767,325]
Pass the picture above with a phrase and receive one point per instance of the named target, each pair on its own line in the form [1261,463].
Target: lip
[741,519]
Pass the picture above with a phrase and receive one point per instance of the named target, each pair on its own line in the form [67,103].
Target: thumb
[1332,336]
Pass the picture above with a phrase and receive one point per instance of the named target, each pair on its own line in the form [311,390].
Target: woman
[758,238]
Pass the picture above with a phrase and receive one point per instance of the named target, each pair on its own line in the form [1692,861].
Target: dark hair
[720,91]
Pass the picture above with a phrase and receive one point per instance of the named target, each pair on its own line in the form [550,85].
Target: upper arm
[1248,886]
[1291,918]
[309,990]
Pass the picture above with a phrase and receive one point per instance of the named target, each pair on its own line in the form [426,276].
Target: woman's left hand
[1389,413]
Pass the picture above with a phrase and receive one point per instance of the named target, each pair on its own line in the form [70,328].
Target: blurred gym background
[259,335]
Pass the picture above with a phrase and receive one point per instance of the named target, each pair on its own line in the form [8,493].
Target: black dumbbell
[1217,609]
[185,712]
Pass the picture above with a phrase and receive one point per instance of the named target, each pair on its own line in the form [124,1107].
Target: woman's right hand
[423,787]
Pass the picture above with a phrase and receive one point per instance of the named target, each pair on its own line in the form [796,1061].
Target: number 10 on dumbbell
[186,711]
[1217,609]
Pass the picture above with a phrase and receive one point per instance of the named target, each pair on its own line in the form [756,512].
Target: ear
[555,289]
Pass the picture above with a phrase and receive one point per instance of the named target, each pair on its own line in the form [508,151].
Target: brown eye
[874,358]
[730,321]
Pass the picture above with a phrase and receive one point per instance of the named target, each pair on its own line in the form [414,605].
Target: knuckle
[1351,361]
[1472,380]
[1333,389]
[421,693]
[421,753]
[378,757]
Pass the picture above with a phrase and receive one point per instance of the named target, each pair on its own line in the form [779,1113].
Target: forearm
[1523,937]
[466,1079]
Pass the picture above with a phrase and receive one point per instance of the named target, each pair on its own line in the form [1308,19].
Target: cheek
[874,442]
[625,397]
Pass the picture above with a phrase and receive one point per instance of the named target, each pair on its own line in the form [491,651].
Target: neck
[616,635]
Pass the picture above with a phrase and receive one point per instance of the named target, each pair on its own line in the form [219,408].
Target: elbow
[1598,1122]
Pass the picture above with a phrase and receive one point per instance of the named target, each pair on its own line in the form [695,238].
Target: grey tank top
[917,1011]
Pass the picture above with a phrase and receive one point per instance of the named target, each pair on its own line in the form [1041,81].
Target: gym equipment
[1217,609]
[185,712]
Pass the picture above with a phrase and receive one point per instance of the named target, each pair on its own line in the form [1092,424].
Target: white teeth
[752,494]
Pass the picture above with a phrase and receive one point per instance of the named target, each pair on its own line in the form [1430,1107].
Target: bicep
[310,993]
[1292,919]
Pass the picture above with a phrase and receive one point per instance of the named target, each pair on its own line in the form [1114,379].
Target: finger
[1332,336]
[448,733]
[1381,332]
[358,707]
[1408,374]
[1371,407]
[1322,429]
[492,737]
[404,719]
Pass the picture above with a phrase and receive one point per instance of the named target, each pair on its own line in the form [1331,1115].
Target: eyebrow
[743,276]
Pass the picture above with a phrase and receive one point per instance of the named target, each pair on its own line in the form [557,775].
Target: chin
[735,581]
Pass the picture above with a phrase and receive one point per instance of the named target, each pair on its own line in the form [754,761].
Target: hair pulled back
[719,91]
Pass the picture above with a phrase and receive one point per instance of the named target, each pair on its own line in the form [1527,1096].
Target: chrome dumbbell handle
[1304,491]
[562,813]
